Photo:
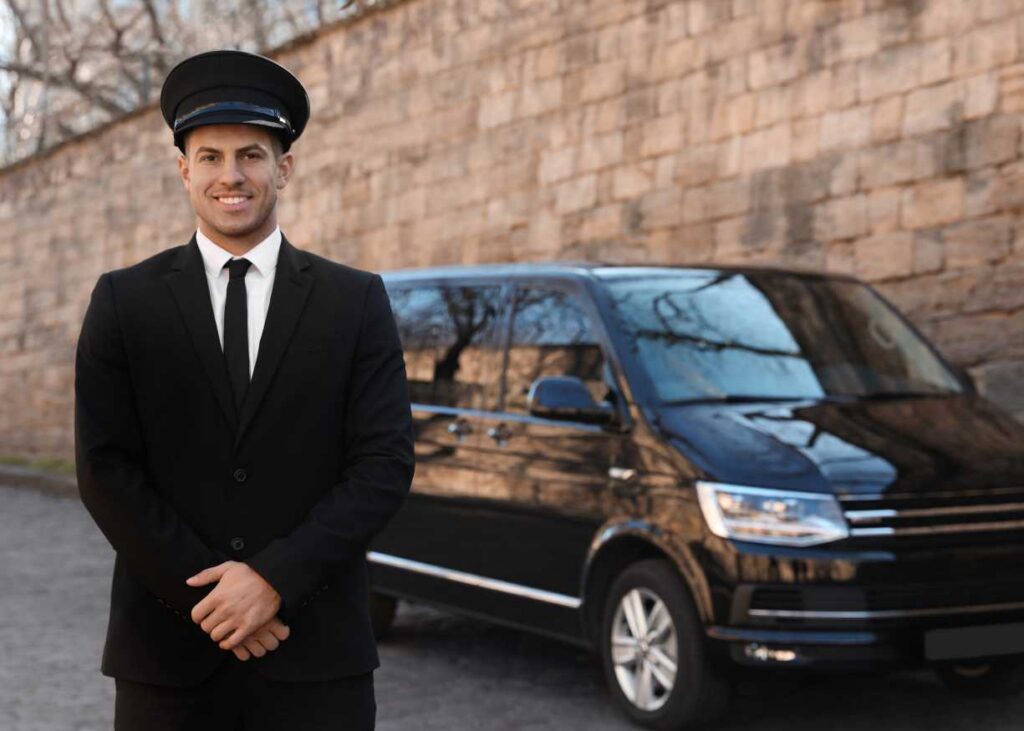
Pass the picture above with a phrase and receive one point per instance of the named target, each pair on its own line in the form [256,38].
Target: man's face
[232,176]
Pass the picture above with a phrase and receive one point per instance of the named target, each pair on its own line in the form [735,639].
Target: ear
[183,170]
[285,168]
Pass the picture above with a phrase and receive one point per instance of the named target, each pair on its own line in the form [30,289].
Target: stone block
[630,181]
[982,193]
[664,134]
[978,243]
[884,210]
[846,128]
[660,208]
[576,194]
[806,133]
[981,95]
[600,151]
[767,148]
[811,93]
[843,92]
[557,164]
[540,97]
[773,105]
[729,197]
[936,61]
[887,119]
[841,218]
[603,80]
[853,39]
[776,64]
[892,71]
[992,141]
[929,252]
[884,256]
[984,48]
[496,109]
[696,204]
[932,203]
[934,107]
[697,165]
[732,117]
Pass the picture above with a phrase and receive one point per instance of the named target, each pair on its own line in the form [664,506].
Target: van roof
[582,269]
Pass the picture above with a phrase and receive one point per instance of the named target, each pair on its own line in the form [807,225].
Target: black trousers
[236,697]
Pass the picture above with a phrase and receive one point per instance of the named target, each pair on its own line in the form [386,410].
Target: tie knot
[237,267]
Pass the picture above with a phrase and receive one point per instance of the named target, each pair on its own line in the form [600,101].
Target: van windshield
[713,335]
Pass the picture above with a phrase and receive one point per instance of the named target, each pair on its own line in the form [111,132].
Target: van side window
[551,336]
[449,335]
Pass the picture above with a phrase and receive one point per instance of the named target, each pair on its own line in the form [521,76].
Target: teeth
[232,201]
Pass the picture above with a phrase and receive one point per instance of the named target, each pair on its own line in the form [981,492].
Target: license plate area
[966,642]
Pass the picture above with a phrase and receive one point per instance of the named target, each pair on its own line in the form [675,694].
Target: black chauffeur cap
[233,87]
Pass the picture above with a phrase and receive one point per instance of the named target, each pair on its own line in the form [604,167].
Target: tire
[382,613]
[697,693]
[999,677]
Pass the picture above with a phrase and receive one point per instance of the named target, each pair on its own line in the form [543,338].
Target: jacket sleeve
[158,546]
[379,464]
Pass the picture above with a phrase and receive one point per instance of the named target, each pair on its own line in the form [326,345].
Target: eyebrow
[247,148]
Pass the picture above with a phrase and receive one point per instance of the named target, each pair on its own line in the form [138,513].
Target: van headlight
[779,517]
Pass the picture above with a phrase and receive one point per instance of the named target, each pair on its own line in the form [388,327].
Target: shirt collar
[263,255]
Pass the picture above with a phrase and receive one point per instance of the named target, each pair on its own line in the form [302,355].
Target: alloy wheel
[644,649]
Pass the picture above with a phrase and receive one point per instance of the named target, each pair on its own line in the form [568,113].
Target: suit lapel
[288,296]
[187,281]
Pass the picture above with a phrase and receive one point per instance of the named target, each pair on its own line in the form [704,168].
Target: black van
[689,468]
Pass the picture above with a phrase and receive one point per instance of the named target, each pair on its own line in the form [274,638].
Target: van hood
[908,445]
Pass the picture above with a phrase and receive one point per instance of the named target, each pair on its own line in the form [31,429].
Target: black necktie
[236,330]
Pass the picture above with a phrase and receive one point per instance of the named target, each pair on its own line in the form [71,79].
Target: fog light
[754,651]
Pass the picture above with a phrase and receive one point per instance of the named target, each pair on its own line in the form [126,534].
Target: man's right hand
[265,639]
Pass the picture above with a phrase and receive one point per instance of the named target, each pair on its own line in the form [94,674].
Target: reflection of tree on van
[450,355]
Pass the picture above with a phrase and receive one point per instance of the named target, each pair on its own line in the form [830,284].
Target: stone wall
[877,137]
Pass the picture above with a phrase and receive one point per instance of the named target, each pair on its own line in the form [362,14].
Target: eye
[207,157]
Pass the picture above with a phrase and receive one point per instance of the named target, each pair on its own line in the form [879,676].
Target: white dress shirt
[259,283]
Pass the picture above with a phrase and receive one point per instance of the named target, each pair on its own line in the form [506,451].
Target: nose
[232,172]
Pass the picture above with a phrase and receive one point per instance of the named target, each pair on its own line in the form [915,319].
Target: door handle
[460,428]
[500,434]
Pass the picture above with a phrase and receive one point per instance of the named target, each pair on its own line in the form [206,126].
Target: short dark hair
[276,143]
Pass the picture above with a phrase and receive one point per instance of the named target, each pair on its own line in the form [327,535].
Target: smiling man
[242,430]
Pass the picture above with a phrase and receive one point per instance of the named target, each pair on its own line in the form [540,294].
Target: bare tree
[67,66]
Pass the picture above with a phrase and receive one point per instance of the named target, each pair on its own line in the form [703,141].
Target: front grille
[900,598]
[935,514]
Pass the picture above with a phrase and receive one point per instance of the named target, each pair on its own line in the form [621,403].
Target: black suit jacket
[316,462]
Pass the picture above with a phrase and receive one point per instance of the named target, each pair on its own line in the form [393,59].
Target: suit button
[240,475]
[237,544]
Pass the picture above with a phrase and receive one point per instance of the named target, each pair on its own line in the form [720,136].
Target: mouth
[232,202]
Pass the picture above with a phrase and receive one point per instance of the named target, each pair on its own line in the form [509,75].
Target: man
[242,429]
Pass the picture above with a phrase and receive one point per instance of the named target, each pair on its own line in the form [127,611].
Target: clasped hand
[240,613]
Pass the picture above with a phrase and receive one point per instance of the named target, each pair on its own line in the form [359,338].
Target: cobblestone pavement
[438,671]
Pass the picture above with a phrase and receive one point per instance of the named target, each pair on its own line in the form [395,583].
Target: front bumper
[876,608]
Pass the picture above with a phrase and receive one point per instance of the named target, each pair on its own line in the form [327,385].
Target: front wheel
[997,677]
[653,653]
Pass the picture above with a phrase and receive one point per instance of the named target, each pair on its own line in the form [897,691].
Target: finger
[235,638]
[241,653]
[215,619]
[255,647]
[280,630]
[267,639]
[222,630]
[208,576]
[202,610]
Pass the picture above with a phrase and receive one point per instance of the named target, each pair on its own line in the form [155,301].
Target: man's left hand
[241,603]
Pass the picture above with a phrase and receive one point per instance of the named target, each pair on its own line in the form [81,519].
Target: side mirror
[565,397]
